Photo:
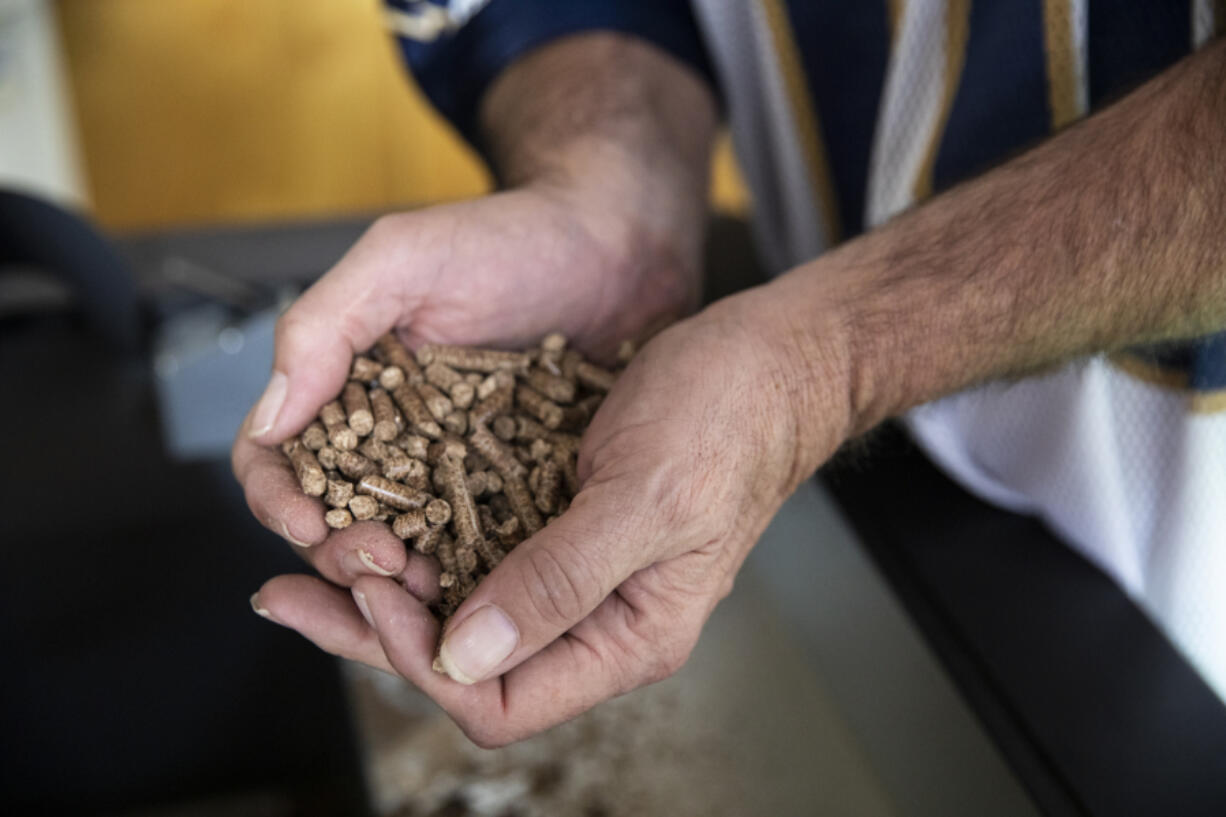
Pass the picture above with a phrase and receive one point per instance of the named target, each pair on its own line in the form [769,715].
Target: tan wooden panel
[237,110]
[223,110]
[728,191]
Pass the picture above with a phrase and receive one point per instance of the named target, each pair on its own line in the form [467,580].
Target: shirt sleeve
[455,48]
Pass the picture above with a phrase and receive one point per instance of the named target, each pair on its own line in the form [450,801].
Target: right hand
[501,271]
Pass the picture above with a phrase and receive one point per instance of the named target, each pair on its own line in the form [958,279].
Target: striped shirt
[845,113]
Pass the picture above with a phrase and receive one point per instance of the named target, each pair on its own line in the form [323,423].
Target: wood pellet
[462,452]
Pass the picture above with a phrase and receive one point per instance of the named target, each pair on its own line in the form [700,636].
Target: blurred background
[172,174]
[205,112]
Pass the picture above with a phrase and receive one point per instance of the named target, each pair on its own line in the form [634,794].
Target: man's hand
[606,140]
[501,270]
[684,465]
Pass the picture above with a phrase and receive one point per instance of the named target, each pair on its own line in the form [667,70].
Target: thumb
[544,587]
[315,342]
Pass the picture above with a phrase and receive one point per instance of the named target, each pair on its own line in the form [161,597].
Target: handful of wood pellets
[466,452]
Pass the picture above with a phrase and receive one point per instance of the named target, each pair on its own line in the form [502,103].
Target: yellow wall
[195,111]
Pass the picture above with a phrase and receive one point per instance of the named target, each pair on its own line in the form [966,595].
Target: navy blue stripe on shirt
[1208,371]
[1000,105]
[844,48]
[1130,41]
[1203,360]
[455,69]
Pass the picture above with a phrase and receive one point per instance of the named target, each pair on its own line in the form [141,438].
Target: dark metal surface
[1094,708]
[134,669]
[134,673]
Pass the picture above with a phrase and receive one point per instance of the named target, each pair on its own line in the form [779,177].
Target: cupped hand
[693,451]
[502,270]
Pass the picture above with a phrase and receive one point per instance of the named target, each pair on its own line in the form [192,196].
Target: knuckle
[560,584]
[291,329]
[668,659]
[385,225]
[666,645]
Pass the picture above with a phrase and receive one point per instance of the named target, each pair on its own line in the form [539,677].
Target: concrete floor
[809,694]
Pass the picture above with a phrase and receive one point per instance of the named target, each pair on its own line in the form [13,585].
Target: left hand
[501,270]
[684,465]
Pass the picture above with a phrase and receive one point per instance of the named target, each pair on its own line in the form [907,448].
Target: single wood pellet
[413,445]
[555,387]
[503,428]
[473,360]
[438,404]
[354,465]
[393,353]
[391,377]
[306,466]
[393,494]
[463,452]
[539,406]
[456,422]
[410,524]
[364,507]
[327,457]
[340,435]
[594,377]
[357,408]
[388,422]
[315,436]
[415,411]
[365,370]
[550,357]
[339,493]
[338,518]
[461,392]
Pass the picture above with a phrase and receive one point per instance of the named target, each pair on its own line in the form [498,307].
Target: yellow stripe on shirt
[1210,401]
[804,114]
[1061,63]
[894,10]
[957,29]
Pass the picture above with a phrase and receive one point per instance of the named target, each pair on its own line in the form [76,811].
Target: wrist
[838,324]
[644,266]
[805,373]
[618,133]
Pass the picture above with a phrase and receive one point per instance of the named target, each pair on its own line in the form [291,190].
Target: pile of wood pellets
[465,452]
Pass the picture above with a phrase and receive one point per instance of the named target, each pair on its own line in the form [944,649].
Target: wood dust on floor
[746,728]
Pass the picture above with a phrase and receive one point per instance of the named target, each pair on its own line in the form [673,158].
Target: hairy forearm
[617,120]
[1110,234]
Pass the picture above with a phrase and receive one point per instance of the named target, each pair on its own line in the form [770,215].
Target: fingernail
[369,562]
[269,407]
[358,562]
[255,605]
[481,642]
[285,532]
[359,598]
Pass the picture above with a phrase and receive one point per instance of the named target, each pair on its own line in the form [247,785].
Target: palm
[657,446]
